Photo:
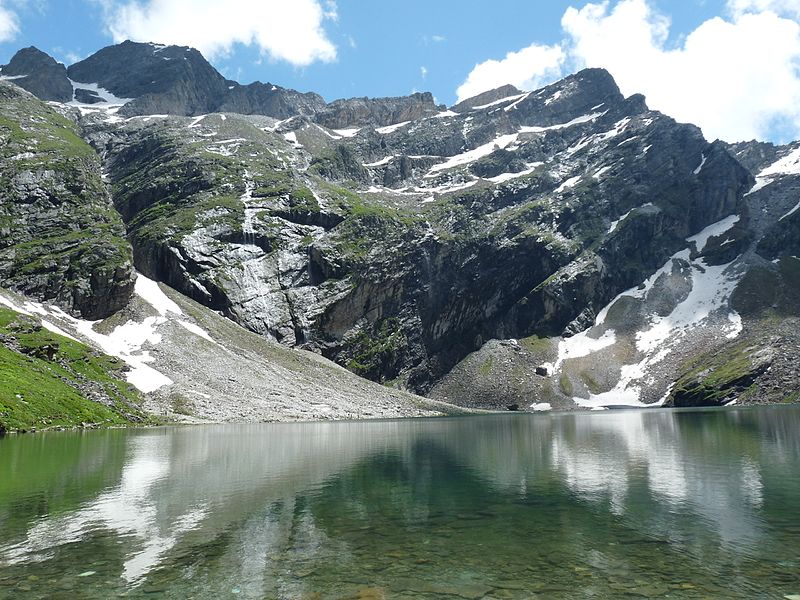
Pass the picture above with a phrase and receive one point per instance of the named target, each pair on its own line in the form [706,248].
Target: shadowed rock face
[377,112]
[268,99]
[40,74]
[160,79]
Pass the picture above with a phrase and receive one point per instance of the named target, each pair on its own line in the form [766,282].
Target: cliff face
[60,237]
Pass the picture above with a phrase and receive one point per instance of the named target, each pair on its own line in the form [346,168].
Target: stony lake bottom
[650,504]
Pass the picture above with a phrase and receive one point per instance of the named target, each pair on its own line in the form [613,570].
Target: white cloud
[438,38]
[781,7]
[290,31]
[527,69]
[735,79]
[423,71]
[9,26]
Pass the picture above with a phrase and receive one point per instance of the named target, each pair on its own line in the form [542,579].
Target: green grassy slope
[47,380]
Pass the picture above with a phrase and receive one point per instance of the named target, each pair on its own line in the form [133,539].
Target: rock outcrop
[377,112]
[60,237]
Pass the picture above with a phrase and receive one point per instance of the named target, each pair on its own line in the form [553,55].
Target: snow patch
[347,133]
[581,344]
[616,223]
[600,172]
[791,212]
[571,182]
[541,407]
[291,137]
[711,288]
[148,290]
[788,165]
[391,128]
[472,155]
[500,101]
[384,161]
[52,327]
[513,106]
[124,342]
[197,330]
[572,123]
[553,98]
[449,187]
[713,230]
[509,176]
[110,104]
[703,159]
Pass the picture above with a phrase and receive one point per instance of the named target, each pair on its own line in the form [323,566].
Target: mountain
[561,248]
[148,79]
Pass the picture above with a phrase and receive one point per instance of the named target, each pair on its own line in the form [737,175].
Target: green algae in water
[648,504]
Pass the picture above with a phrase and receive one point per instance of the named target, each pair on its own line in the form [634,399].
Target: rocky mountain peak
[587,92]
[27,60]
[160,79]
[487,97]
[40,74]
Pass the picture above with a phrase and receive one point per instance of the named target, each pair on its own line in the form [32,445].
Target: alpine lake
[616,504]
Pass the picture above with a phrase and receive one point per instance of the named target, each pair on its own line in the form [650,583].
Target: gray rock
[40,74]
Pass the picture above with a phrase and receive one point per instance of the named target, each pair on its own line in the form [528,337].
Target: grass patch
[42,375]
[709,379]
[792,398]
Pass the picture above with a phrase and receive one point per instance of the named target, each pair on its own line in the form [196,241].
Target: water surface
[649,504]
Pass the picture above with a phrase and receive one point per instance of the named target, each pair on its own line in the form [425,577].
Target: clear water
[653,504]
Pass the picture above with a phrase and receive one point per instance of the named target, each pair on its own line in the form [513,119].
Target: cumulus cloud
[783,7]
[289,31]
[737,78]
[9,26]
[527,69]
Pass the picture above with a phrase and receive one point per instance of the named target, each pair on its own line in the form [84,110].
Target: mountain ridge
[159,79]
[561,248]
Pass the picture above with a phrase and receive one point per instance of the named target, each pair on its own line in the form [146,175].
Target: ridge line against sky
[729,66]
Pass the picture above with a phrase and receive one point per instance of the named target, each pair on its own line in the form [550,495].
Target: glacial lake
[627,504]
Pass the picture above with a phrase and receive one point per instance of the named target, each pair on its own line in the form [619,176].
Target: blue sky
[683,54]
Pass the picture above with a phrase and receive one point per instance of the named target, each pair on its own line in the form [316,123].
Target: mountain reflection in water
[653,503]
